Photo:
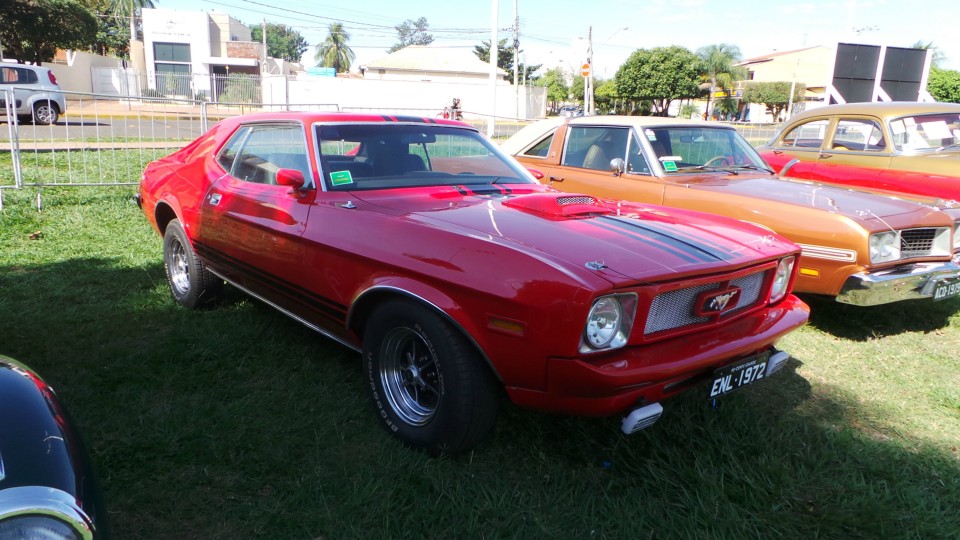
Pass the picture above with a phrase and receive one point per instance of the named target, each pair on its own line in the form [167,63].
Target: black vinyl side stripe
[332,310]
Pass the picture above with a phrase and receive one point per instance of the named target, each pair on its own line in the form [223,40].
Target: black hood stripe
[678,247]
[718,251]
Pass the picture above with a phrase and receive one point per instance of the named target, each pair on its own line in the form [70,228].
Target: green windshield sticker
[341,178]
[669,166]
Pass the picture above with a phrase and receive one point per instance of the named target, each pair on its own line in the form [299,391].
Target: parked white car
[36,94]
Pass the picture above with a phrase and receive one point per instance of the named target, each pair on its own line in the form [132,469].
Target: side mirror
[290,177]
[617,166]
[536,174]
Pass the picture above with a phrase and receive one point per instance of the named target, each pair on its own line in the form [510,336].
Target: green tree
[660,75]
[412,32]
[505,59]
[718,64]
[334,52]
[605,96]
[555,83]
[578,88]
[33,30]
[282,41]
[775,95]
[944,85]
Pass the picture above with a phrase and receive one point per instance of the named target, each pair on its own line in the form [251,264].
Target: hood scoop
[559,205]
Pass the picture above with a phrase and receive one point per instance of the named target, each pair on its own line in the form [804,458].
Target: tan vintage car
[862,248]
[902,147]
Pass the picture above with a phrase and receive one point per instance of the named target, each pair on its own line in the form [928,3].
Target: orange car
[862,248]
[901,147]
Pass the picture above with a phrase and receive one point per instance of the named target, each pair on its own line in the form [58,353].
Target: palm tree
[938,56]
[333,52]
[719,67]
[129,9]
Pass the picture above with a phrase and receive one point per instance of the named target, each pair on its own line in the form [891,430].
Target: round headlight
[603,323]
[782,279]
[44,527]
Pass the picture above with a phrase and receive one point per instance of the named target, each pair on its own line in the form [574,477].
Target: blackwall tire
[45,113]
[430,386]
[191,284]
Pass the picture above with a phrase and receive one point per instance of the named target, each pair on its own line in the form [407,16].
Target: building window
[172,66]
[171,52]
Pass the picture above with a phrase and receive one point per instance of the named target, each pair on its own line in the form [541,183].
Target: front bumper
[655,371]
[902,283]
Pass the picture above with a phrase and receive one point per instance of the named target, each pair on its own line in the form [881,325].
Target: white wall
[76,74]
[420,98]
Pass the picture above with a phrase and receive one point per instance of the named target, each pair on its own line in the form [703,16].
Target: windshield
[684,148]
[393,155]
[926,131]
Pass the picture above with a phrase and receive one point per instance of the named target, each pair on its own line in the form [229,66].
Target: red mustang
[417,242]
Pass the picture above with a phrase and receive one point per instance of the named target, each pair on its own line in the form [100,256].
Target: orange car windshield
[684,148]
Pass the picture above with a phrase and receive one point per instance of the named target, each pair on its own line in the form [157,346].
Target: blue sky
[550,31]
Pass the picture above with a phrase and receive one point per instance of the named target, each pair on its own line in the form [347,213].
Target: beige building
[430,63]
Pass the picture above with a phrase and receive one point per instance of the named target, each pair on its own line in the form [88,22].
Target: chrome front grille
[677,308]
[917,242]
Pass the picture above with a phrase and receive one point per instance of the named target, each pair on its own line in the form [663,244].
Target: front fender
[43,463]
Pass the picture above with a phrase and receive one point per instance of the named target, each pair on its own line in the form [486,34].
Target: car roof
[310,117]
[887,109]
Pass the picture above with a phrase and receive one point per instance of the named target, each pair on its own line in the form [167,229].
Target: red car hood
[857,205]
[639,242]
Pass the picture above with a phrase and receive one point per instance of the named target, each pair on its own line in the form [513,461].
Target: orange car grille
[917,242]
[677,309]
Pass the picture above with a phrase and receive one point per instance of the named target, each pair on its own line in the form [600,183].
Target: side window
[228,154]
[594,147]
[541,148]
[809,135]
[858,135]
[636,163]
[257,155]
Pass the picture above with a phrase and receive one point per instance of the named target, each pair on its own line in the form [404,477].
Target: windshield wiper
[726,168]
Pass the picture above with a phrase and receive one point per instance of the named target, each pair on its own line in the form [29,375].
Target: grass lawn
[240,423]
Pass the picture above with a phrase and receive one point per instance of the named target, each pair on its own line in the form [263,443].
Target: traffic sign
[585,69]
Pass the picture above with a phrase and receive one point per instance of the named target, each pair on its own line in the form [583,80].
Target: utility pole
[493,69]
[263,33]
[516,55]
[588,82]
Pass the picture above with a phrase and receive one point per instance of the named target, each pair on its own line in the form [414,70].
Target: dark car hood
[641,242]
[857,205]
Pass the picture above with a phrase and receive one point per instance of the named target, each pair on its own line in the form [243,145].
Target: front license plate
[946,288]
[747,371]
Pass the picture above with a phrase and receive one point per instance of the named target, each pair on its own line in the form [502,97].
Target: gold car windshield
[392,155]
[926,132]
[681,149]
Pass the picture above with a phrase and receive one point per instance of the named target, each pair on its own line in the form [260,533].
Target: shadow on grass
[239,422]
[864,323]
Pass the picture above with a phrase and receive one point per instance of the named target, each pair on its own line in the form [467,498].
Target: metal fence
[106,140]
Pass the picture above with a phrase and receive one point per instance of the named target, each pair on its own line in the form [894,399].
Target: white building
[189,53]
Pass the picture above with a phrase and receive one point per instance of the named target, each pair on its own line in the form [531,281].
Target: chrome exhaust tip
[641,418]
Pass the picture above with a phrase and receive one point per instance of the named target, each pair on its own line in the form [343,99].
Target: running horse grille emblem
[717,302]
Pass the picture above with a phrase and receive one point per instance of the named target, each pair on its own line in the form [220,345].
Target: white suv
[36,94]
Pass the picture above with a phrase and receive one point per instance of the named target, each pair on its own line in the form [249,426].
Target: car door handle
[555,179]
[778,152]
[825,156]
